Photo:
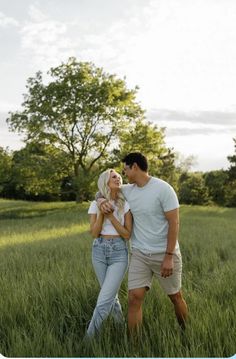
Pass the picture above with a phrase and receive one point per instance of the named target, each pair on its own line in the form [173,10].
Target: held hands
[167,266]
[109,215]
[106,208]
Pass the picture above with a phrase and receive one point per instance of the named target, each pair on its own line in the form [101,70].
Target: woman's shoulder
[126,206]
[93,208]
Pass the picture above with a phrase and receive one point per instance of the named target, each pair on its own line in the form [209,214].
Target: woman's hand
[109,215]
[106,207]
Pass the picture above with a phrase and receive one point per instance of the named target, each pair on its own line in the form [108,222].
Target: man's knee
[136,297]
[176,298]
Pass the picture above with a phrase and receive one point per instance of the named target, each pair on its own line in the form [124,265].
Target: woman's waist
[110,236]
[117,241]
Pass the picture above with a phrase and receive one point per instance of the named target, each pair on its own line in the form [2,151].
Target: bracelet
[169,253]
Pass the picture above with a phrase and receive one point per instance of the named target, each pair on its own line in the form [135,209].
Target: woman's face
[114,180]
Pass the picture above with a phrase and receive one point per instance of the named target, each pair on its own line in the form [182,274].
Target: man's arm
[103,204]
[173,230]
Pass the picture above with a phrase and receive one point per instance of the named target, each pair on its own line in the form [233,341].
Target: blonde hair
[104,189]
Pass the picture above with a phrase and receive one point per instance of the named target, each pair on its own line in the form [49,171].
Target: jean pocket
[95,242]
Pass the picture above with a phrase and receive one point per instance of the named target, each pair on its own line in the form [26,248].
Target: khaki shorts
[144,266]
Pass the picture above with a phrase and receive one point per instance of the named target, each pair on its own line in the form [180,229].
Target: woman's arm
[96,222]
[125,230]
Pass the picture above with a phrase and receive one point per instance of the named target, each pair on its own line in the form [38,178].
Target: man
[155,248]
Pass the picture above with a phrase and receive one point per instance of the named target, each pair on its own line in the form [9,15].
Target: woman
[109,253]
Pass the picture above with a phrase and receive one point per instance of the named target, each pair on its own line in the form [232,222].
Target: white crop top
[108,228]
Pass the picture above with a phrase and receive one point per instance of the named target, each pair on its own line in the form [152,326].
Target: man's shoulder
[126,189]
[162,187]
[160,182]
[127,186]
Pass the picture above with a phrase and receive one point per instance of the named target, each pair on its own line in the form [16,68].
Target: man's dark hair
[136,157]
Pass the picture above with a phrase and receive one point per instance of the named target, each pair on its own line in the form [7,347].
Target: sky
[180,53]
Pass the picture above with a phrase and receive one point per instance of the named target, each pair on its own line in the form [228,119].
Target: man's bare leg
[181,309]
[135,315]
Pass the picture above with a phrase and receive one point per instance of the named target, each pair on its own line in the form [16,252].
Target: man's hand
[106,207]
[167,266]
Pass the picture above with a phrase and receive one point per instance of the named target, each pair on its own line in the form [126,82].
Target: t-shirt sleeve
[93,209]
[126,207]
[125,189]
[169,199]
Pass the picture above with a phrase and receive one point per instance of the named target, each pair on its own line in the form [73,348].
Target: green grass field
[48,288]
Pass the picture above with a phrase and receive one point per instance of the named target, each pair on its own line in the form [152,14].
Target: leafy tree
[192,189]
[216,182]
[5,171]
[81,111]
[147,138]
[184,164]
[231,184]
[38,171]
[232,160]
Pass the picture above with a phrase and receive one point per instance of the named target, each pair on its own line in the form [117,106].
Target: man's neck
[142,179]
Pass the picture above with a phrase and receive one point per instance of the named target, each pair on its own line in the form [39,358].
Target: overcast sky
[181,54]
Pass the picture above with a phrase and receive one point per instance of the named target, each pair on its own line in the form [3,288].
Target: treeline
[39,172]
[83,121]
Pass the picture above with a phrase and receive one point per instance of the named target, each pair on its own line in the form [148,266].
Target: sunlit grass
[49,290]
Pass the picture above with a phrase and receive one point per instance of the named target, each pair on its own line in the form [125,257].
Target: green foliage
[230,194]
[216,182]
[5,170]
[147,138]
[49,288]
[232,160]
[38,171]
[192,189]
[230,190]
[80,111]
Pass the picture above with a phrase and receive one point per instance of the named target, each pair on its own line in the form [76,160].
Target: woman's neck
[114,194]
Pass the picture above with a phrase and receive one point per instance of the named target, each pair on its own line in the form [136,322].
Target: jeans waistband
[109,240]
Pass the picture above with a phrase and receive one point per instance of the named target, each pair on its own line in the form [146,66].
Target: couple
[152,205]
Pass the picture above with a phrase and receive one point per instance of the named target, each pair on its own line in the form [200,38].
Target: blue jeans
[110,262]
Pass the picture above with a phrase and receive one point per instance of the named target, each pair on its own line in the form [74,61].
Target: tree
[5,170]
[216,182]
[147,138]
[80,111]
[184,164]
[38,171]
[232,160]
[231,184]
[192,189]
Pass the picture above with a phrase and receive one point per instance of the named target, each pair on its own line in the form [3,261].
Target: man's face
[128,171]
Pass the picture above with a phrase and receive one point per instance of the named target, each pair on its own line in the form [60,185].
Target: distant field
[48,288]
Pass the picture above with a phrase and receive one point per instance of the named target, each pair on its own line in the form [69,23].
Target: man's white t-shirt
[147,205]
[108,228]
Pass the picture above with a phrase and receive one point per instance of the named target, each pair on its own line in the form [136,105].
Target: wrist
[169,253]
[100,201]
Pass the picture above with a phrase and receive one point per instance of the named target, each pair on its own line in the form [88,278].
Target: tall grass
[48,288]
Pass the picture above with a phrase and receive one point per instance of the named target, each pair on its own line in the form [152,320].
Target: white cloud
[210,150]
[181,53]
[6,21]
[45,40]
